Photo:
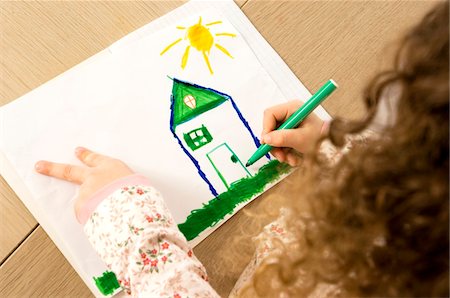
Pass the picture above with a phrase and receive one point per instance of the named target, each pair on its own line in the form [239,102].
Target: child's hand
[290,142]
[100,171]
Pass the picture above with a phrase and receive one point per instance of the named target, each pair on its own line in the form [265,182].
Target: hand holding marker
[297,117]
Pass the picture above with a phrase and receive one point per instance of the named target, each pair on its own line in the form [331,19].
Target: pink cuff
[104,192]
[325,127]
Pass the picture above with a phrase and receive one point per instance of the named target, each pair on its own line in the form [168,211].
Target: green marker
[297,117]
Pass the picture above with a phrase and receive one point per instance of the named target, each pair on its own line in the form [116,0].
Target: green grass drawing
[225,203]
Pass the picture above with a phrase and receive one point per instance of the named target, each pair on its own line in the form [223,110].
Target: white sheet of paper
[118,103]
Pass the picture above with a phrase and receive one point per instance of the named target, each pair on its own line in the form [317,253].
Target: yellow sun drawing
[202,40]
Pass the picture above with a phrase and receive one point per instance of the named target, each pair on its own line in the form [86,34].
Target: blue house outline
[180,142]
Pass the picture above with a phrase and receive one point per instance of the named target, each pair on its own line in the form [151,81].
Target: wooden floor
[348,41]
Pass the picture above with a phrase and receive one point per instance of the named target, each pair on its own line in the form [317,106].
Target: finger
[279,113]
[89,157]
[279,154]
[290,138]
[292,159]
[66,172]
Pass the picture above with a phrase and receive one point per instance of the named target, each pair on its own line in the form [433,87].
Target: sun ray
[207,62]
[223,50]
[214,23]
[185,57]
[200,37]
[226,34]
[171,45]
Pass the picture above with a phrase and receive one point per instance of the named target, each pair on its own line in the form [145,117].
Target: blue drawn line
[194,161]
[255,139]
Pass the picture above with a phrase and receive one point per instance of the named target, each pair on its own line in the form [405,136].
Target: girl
[377,221]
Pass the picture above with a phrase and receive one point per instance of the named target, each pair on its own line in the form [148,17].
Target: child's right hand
[290,142]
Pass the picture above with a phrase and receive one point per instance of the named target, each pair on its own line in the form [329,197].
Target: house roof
[205,100]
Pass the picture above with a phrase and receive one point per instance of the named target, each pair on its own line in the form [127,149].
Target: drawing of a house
[209,129]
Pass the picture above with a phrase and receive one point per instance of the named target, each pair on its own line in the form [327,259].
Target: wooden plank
[16,220]
[38,269]
[348,41]
[240,3]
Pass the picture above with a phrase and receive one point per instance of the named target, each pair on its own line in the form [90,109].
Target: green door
[227,164]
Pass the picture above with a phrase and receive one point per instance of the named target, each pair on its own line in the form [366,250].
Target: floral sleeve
[134,233]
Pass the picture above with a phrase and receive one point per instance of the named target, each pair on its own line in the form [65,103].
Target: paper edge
[15,182]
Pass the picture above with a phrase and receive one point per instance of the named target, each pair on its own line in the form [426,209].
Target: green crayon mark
[107,283]
[197,138]
[225,203]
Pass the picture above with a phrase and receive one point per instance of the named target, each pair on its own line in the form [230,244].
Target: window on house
[197,138]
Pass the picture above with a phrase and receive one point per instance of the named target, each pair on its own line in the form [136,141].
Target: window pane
[198,137]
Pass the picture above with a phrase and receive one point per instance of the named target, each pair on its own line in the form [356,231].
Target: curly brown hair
[378,220]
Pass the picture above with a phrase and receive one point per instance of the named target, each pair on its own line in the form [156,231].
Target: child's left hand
[101,170]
